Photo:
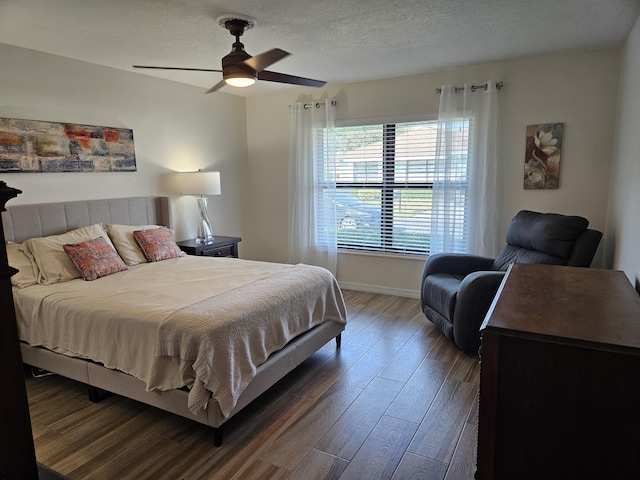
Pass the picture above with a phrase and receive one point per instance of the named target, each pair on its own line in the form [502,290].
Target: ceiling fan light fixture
[240,81]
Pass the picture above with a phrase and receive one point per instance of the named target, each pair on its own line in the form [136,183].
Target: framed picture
[37,146]
[542,157]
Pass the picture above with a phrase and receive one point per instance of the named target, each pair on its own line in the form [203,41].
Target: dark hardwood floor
[397,401]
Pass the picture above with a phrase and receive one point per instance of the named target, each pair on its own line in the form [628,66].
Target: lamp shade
[200,183]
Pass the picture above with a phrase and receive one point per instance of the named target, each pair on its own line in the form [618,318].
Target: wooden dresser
[560,376]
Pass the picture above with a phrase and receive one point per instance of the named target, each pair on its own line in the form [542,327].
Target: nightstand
[219,247]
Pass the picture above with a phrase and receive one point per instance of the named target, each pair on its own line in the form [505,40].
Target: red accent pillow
[94,258]
[157,244]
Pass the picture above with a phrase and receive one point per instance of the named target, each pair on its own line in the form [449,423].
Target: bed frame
[22,222]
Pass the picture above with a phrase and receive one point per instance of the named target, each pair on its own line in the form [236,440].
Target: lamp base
[205,234]
[205,241]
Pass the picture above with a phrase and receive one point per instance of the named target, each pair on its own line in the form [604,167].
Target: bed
[200,337]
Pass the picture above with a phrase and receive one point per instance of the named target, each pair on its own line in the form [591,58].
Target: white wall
[176,128]
[623,229]
[579,90]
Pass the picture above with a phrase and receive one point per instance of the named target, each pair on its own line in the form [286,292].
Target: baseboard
[398,292]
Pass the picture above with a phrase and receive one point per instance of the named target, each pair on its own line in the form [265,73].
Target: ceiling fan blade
[292,79]
[263,60]
[217,86]
[178,68]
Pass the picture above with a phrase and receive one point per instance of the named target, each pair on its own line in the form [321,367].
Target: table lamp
[201,184]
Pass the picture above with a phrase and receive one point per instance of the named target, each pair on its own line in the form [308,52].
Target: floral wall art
[542,159]
[38,146]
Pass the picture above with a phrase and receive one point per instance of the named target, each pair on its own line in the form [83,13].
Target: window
[384,177]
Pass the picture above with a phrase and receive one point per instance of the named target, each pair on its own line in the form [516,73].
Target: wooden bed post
[17,453]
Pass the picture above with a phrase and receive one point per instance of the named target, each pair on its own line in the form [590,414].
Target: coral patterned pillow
[51,264]
[157,244]
[94,258]
[126,245]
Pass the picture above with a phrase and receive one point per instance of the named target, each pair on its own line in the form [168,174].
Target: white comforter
[115,320]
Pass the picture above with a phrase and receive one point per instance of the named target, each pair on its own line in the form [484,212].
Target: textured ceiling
[339,41]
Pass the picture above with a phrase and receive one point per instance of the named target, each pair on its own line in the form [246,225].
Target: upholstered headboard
[22,222]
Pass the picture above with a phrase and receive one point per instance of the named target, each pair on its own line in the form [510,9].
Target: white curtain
[475,230]
[312,218]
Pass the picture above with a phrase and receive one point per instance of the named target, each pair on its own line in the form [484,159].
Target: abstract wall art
[542,157]
[40,146]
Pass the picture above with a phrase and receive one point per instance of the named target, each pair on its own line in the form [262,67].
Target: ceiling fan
[239,69]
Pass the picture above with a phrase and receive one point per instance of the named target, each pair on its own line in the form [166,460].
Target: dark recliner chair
[457,289]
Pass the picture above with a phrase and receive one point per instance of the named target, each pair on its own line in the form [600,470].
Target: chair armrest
[455,264]
[475,295]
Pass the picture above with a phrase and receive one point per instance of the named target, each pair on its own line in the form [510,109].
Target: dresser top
[567,304]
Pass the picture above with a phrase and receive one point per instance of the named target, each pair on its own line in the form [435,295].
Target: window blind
[379,182]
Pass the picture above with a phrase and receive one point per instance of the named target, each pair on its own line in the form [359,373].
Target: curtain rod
[307,106]
[499,85]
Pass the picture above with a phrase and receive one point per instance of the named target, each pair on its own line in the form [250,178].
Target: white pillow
[53,264]
[27,272]
[126,244]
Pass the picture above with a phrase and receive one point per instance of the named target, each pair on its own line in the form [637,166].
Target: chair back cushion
[535,237]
